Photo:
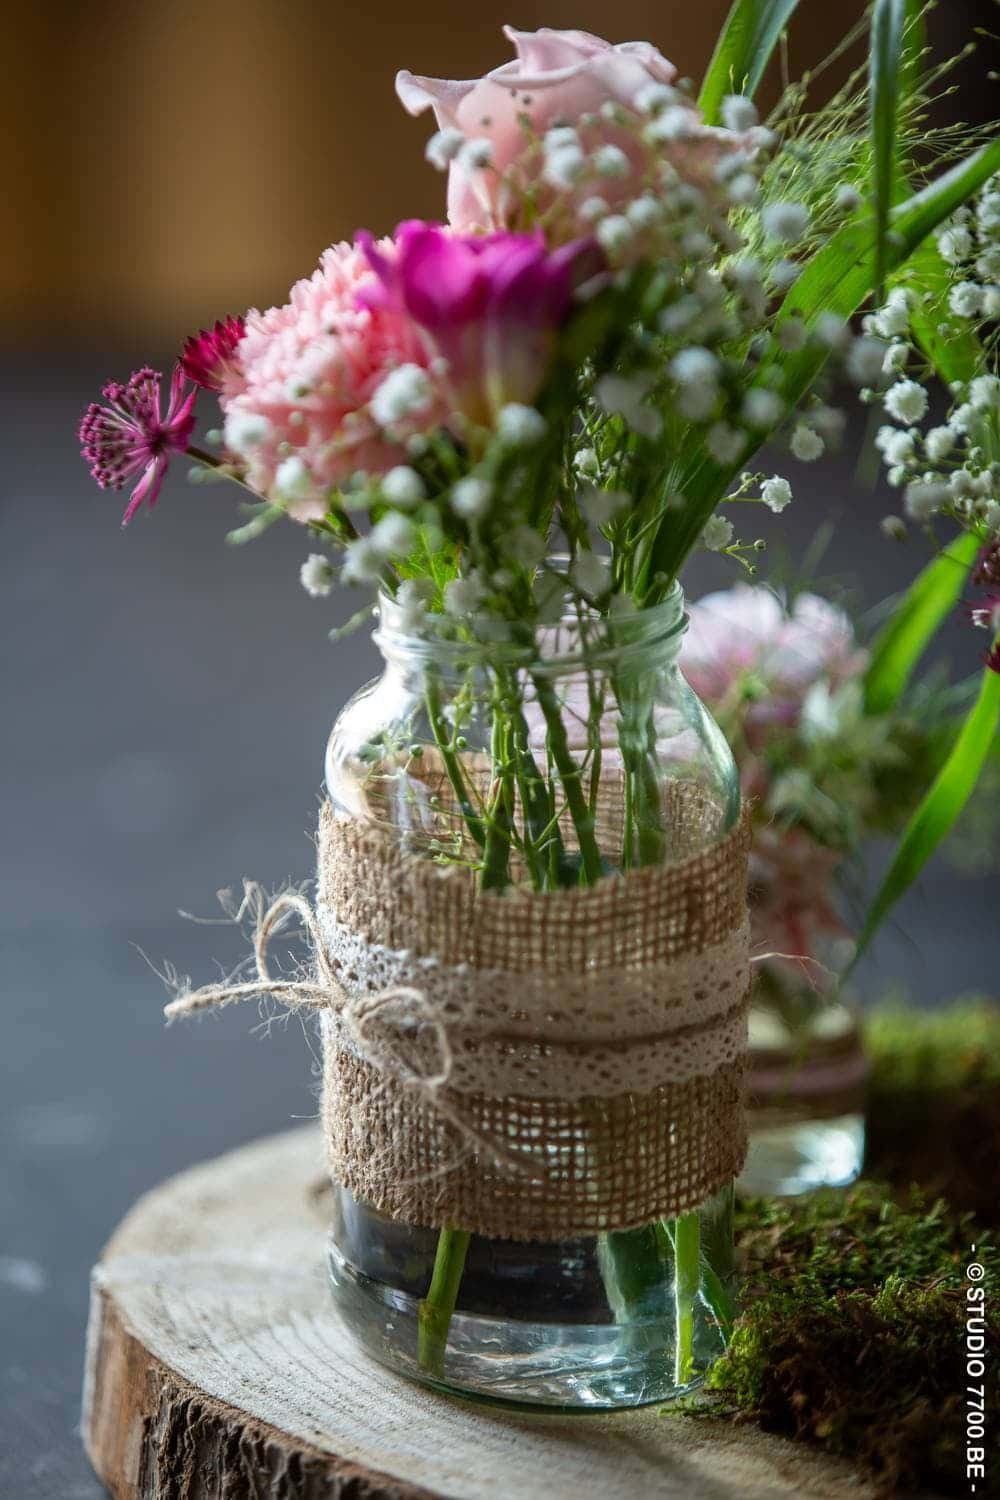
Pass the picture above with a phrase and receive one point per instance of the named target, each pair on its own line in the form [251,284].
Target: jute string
[522,1065]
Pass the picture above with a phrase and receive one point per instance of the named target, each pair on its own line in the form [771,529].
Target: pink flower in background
[209,357]
[129,436]
[557,77]
[745,630]
[489,307]
[301,424]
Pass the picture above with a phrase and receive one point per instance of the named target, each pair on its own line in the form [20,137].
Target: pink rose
[557,77]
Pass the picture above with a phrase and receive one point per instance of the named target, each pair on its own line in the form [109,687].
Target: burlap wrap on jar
[553,1064]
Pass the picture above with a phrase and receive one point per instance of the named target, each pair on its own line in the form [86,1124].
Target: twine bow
[364,1017]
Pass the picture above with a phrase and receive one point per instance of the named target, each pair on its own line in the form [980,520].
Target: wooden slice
[217,1370]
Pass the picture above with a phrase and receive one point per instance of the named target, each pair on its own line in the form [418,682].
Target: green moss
[852,1330]
[934,1101]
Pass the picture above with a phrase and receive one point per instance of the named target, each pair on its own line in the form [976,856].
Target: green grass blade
[885,64]
[743,51]
[948,342]
[905,637]
[938,812]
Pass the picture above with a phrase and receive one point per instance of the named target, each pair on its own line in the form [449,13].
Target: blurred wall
[165,163]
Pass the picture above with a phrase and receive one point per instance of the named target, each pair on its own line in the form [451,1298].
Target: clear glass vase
[546,761]
[806,1081]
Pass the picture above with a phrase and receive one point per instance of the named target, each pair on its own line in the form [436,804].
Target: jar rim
[576,640]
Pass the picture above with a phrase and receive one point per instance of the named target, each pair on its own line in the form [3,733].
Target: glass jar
[806,1080]
[544,761]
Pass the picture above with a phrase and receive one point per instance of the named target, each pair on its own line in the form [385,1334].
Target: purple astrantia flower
[128,436]
[489,306]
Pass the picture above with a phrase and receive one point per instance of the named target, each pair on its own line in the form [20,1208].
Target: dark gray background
[167,702]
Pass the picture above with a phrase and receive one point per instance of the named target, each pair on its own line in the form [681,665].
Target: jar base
[562,1366]
[795,1156]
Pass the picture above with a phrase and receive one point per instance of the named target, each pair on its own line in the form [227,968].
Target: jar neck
[578,643]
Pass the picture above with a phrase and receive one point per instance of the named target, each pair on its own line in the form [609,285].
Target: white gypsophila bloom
[806,444]
[847,198]
[964,418]
[864,360]
[476,154]
[696,244]
[725,443]
[411,601]
[776,493]
[738,112]
[470,497]
[463,596]
[524,545]
[393,535]
[955,243]
[520,426]
[717,533]
[923,501]
[896,477]
[742,189]
[938,443]
[316,575]
[785,274]
[746,274]
[785,221]
[592,209]
[895,360]
[292,480]
[443,147]
[961,484]
[990,302]
[992,516]
[695,366]
[591,573]
[244,431]
[614,233]
[679,316]
[559,137]
[644,212]
[601,506]
[906,401]
[585,462]
[832,331]
[984,392]
[611,161]
[404,392]
[654,97]
[622,396]
[900,448]
[363,563]
[884,437]
[988,213]
[894,317]
[678,122]
[563,168]
[762,409]
[966,299]
[828,421]
[894,527]
[988,263]
[403,486]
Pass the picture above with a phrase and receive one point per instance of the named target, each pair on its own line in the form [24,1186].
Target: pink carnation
[310,370]
[745,630]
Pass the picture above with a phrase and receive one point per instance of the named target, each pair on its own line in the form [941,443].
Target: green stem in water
[450,761]
[436,1309]
[687,1278]
[571,777]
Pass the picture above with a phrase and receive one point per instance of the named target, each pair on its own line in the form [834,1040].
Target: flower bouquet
[529,945]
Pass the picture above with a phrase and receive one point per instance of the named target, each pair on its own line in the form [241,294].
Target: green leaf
[885,63]
[905,637]
[743,51]
[948,342]
[939,811]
